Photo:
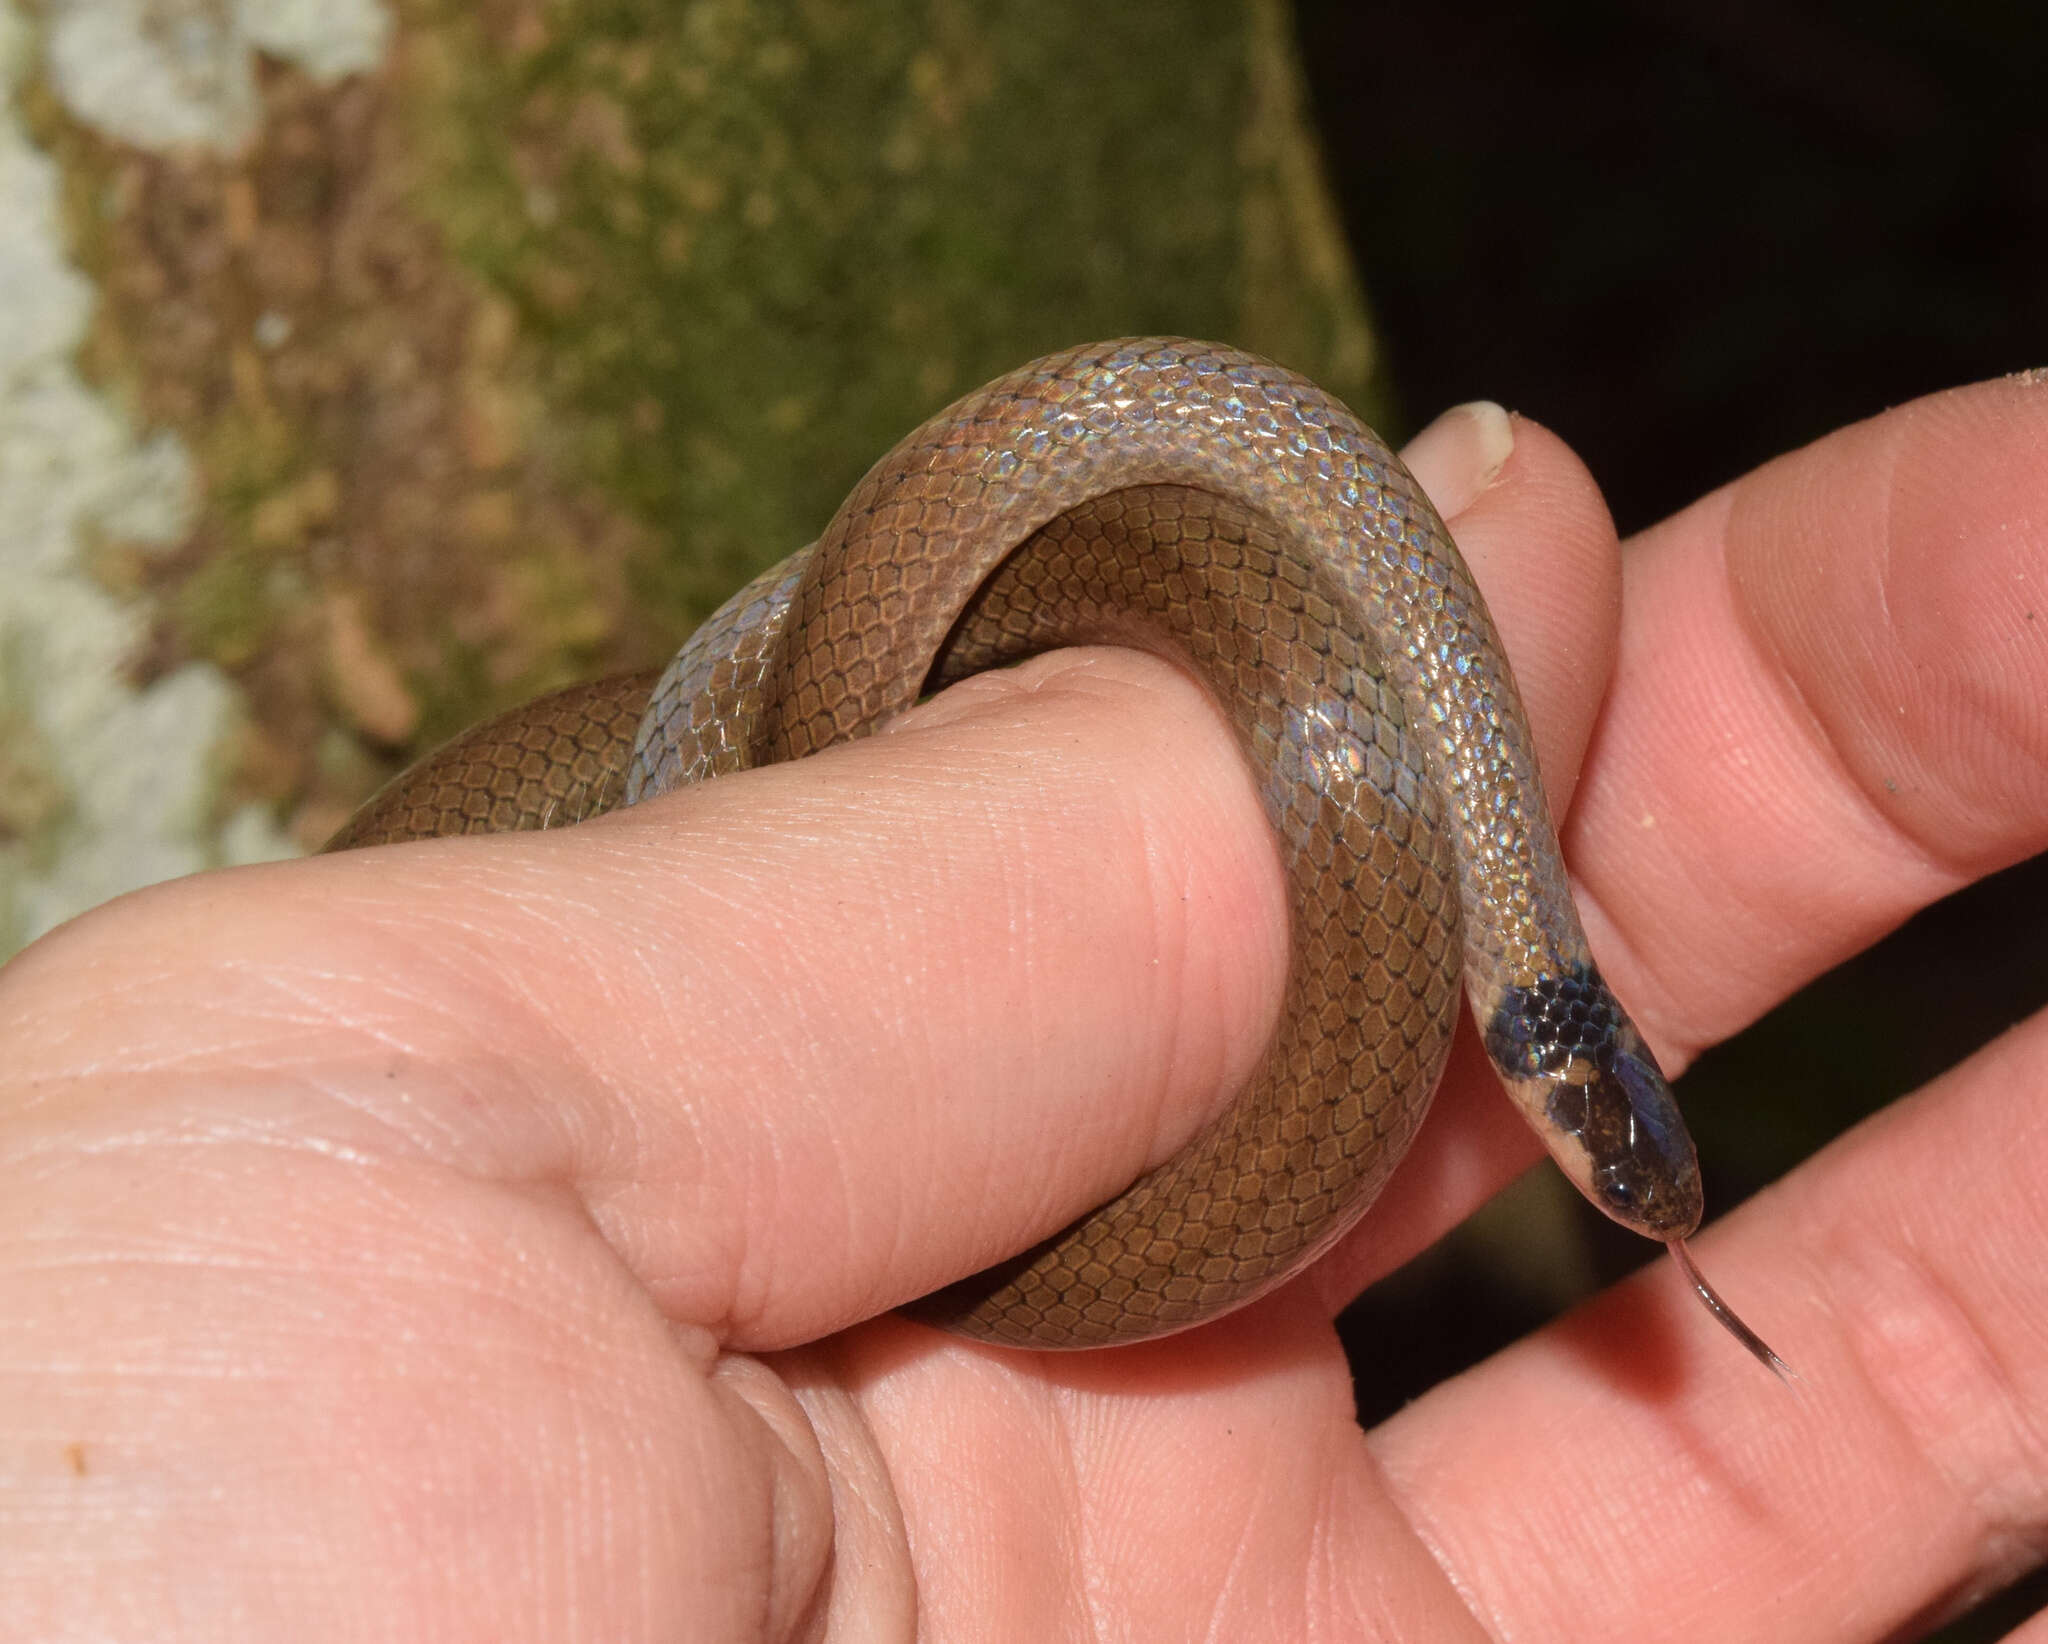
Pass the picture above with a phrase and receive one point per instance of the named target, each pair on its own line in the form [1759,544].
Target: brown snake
[1210,506]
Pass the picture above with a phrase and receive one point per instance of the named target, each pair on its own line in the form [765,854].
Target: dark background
[1689,238]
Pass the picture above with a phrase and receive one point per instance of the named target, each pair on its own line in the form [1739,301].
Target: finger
[802,1044]
[781,1038]
[1830,708]
[1694,1497]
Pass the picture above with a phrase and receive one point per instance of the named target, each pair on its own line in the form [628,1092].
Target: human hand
[486,1238]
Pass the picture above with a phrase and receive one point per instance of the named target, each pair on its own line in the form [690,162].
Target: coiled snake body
[1200,502]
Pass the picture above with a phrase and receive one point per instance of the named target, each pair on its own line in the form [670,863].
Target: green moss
[222,611]
[758,243]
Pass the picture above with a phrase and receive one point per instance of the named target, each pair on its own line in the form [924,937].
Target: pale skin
[493,1239]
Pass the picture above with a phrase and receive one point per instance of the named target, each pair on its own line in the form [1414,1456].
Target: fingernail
[1459,455]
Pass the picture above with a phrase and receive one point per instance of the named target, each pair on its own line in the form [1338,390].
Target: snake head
[1579,1070]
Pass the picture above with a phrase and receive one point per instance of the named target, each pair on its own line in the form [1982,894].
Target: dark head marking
[1605,1090]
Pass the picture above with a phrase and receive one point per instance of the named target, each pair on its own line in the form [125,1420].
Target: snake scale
[1202,503]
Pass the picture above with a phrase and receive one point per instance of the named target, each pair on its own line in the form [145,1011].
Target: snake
[1214,508]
